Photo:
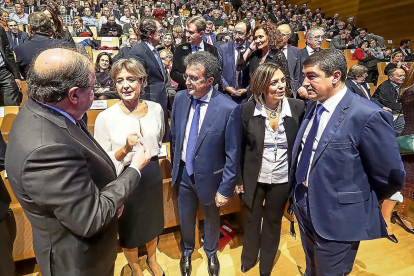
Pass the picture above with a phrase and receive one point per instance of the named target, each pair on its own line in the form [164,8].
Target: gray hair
[52,86]
[208,61]
[329,61]
[312,32]
[357,70]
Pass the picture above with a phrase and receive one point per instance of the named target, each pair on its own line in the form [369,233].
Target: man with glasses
[314,40]
[146,53]
[19,16]
[66,17]
[15,36]
[194,32]
[111,28]
[235,78]
[206,143]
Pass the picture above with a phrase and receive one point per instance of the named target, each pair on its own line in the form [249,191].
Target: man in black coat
[111,28]
[40,29]
[196,27]
[387,93]
[10,84]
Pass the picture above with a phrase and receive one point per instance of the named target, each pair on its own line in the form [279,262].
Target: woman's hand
[131,142]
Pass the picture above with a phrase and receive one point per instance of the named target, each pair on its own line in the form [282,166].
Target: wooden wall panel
[391,19]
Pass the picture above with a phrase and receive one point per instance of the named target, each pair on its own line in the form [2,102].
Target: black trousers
[7,227]
[269,203]
[9,90]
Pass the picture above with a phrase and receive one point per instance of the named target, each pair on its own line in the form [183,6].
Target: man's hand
[302,92]
[239,189]
[142,156]
[220,200]
[19,84]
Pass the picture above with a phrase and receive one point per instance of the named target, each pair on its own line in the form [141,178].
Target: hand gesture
[131,141]
[239,189]
[142,156]
[220,200]
[303,93]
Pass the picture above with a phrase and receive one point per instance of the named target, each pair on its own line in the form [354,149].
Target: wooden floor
[375,258]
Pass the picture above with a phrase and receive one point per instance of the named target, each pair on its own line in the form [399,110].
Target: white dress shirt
[285,51]
[329,105]
[275,168]
[310,50]
[203,110]
[365,91]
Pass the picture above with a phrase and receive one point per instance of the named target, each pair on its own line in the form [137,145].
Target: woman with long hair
[57,25]
[104,84]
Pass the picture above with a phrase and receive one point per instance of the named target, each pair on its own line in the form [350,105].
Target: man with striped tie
[206,132]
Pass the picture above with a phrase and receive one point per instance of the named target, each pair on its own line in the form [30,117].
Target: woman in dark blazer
[271,122]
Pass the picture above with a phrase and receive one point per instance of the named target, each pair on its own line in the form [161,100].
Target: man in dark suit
[10,84]
[235,78]
[196,27]
[110,28]
[206,139]
[314,40]
[209,37]
[293,57]
[31,7]
[356,81]
[146,53]
[40,29]
[64,181]
[6,219]
[15,36]
[110,6]
[345,159]
[387,93]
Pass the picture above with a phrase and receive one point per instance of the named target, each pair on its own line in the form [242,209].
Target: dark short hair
[248,26]
[208,61]
[40,23]
[147,25]
[329,61]
[52,86]
[404,41]
[98,59]
[362,29]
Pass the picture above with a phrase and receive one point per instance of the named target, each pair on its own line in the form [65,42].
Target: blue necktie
[192,137]
[194,48]
[303,166]
[157,57]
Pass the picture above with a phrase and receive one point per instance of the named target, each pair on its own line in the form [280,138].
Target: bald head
[286,32]
[54,59]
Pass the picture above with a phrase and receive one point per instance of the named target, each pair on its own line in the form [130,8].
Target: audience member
[205,169]
[104,17]
[342,41]
[67,19]
[397,61]
[335,120]
[19,16]
[270,123]
[103,88]
[194,32]
[57,26]
[216,20]
[15,36]
[356,83]
[131,41]
[361,52]
[404,47]
[209,37]
[40,30]
[111,28]
[88,19]
[133,23]
[111,9]
[79,29]
[118,130]
[387,93]
[3,20]
[30,7]
[9,6]
[83,175]
[168,43]
[364,35]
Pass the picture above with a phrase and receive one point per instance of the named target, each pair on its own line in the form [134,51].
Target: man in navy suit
[206,140]
[235,77]
[345,159]
[209,37]
[314,40]
[14,35]
[356,82]
[145,52]
[110,6]
[293,57]
[40,29]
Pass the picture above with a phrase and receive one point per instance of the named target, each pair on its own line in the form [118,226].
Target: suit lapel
[308,115]
[211,114]
[186,103]
[231,56]
[151,56]
[335,121]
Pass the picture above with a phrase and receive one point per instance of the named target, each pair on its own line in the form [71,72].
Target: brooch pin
[185,48]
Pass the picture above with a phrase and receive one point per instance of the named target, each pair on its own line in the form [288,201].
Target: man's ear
[73,95]
[336,77]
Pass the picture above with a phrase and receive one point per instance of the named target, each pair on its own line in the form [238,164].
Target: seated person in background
[404,47]
[364,35]
[209,37]
[374,50]
[216,19]
[167,43]
[126,17]
[14,35]
[19,16]
[355,81]
[88,19]
[360,52]
[132,40]
[104,17]
[103,88]
[342,41]
[79,28]
[67,19]
[387,93]
[111,28]
[132,23]
[3,20]
[397,61]
[158,12]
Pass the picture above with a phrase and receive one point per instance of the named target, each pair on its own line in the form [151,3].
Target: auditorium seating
[351,63]
[372,88]
[381,79]
[381,67]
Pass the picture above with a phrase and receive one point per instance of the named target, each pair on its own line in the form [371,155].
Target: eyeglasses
[13,26]
[160,32]
[285,35]
[192,79]
[319,37]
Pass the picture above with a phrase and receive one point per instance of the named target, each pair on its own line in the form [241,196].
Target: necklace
[273,112]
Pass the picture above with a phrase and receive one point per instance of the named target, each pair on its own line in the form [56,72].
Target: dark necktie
[303,166]
[15,41]
[192,137]
[239,69]
[362,90]
[158,58]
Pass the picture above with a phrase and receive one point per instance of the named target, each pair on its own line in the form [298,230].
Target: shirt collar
[200,46]
[60,111]
[310,50]
[396,86]
[207,97]
[261,111]
[331,103]
[150,46]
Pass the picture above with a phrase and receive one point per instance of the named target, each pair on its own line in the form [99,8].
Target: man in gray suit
[65,182]
[342,41]
[364,35]
[293,57]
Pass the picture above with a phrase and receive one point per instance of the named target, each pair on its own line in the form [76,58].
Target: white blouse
[113,125]
[275,168]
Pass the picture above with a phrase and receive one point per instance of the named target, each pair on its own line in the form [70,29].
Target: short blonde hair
[133,66]
[262,77]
